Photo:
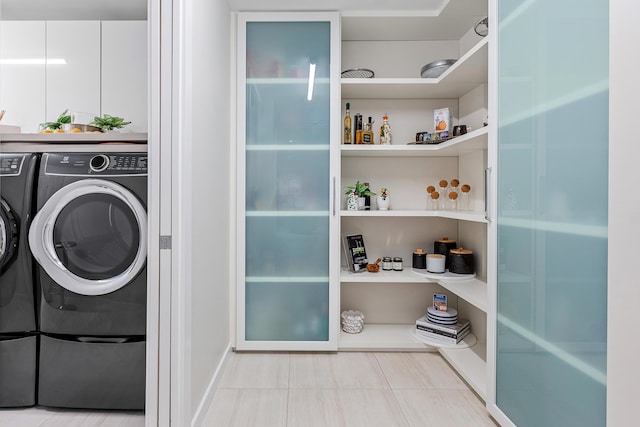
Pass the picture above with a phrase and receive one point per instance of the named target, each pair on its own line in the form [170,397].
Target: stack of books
[442,326]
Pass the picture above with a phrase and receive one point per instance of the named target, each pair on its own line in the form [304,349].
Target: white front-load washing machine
[89,238]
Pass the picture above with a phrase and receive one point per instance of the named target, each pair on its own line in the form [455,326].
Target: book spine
[442,338]
[452,330]
[437,337]
[439,332]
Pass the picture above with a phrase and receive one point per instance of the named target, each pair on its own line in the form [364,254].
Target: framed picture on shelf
[355,252]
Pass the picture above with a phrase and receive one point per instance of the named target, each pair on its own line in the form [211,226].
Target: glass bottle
[357,129]
[434,203]
[452,201]
[348,136]
[443,187]
[385,131]
[367,133]
[465,198]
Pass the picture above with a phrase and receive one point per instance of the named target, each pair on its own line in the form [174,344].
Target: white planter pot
[383,203]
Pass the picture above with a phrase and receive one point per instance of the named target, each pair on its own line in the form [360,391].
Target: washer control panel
[11,164]
[96,164]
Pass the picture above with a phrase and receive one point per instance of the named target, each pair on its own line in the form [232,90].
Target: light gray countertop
[73,142]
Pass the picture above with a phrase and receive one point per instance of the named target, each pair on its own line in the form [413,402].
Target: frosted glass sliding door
[286,162]
[552,211]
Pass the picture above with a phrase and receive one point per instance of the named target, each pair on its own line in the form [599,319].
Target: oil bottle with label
[348,136]
[367,133]
[385,131]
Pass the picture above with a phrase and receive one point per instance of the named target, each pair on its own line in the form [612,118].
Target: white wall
[208,93]
[204,198]
[623,375]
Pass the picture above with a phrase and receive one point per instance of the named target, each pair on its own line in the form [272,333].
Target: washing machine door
[8,235]
[91,237]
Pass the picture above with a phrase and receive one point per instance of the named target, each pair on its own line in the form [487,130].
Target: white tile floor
[312,389]
[45,417]
[343,389]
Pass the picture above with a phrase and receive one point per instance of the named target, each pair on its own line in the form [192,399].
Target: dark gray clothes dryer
[17,309]
[89,238]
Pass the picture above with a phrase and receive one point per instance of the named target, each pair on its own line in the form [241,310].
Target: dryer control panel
[11,164]
[95,164]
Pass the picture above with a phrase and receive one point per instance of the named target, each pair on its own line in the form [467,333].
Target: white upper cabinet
[22,71]
[124,72]
[76,84]
[89,67]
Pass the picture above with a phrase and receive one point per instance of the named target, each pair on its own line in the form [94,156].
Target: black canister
[443,246]
[461,261]
[419,259]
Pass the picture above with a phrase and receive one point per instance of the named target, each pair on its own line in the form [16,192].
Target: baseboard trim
[205,403]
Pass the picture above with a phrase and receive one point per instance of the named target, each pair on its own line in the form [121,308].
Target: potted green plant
[56,126]
[355,195]
[107,122]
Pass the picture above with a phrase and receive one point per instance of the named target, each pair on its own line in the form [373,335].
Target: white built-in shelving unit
[408,167]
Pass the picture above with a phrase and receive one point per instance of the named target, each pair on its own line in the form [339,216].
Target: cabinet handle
[333,197]
[487,186]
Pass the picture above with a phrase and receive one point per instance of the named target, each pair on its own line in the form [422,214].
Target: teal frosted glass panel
[552,211]
[287,246]
[288,180]
[279,58]
[295,311]
[287,165]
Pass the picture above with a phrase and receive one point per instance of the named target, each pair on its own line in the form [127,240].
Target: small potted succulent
[383,199]
[356,194]
[107,122]
[56,127]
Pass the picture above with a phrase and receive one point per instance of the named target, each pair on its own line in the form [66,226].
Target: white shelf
[404,276]
[460,215]
[470,364]
[467,287]
[472,290]
[467,73]
[472,141]
[381,337]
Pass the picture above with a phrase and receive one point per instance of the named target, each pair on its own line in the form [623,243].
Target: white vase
[383,203]
[352,202]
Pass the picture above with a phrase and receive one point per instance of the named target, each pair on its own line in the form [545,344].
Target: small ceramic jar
[436,263]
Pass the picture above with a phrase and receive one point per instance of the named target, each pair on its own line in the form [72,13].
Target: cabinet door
[552,212]
[124,72]
[22,71]
[287,284]
[76,85]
